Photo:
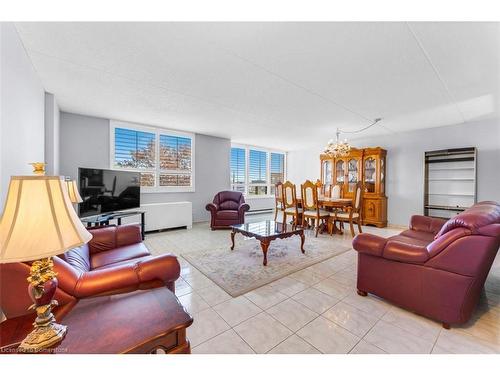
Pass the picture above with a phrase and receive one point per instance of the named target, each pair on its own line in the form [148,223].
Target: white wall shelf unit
[450,183]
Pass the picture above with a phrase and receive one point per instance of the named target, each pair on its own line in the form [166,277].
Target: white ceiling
[277,85]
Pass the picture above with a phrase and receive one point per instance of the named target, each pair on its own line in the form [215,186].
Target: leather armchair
[436,268]
[114,261]
[228,208]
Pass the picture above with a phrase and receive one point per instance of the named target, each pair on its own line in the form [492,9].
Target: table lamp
[37,223]
[74,195]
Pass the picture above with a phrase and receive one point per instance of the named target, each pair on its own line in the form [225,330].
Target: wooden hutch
[366,165]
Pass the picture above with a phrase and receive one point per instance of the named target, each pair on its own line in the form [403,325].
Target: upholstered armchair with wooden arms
[278,199]
[310,205]
[353,215]
[290,204]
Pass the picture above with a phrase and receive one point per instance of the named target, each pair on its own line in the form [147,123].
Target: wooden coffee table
[265,232]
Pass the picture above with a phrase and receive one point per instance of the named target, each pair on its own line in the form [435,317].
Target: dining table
[332,203]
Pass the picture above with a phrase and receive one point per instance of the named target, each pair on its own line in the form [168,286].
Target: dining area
[318,207]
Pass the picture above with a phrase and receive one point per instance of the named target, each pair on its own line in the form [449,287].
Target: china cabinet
[368,166]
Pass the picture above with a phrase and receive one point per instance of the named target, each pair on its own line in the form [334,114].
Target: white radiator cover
[164,215]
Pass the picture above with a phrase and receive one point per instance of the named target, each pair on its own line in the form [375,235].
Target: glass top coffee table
[265,232]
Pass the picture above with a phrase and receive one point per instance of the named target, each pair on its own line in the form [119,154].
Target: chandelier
[340,149]
[337,148]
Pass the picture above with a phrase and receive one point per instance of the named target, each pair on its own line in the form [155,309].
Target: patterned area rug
[241,270]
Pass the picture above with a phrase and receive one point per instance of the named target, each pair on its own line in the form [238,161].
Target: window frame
[113,124]
[268,152]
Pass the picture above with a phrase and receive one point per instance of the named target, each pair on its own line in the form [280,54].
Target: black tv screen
[105,190]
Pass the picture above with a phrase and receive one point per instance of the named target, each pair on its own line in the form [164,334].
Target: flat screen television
[105,190]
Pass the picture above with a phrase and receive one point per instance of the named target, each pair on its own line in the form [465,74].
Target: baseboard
[263,211]
[397,226]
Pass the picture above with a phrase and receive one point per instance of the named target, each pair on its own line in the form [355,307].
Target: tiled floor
[317,310]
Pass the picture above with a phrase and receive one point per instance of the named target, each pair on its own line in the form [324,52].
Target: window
[255,171]
[175,161]
[164,158]
[277,169]
[238,169]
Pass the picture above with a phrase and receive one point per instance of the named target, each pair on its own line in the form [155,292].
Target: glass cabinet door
[370,176]
[327,172]
[382,175]
[339,172]
[352,174]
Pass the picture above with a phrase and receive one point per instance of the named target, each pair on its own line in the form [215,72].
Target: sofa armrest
[426,223]
[405,252]
[370,244]
[244,207]
[212,207]
[163,268]
[102,281]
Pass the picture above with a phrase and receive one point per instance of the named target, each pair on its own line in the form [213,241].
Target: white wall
[405,156]
[51,134]
[21,110]
[85,141]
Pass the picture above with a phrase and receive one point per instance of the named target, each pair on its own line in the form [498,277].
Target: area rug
[241,270]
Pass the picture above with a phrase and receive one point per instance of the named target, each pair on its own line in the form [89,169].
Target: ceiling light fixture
[339,149]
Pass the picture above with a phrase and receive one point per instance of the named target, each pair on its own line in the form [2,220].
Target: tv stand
[103,220]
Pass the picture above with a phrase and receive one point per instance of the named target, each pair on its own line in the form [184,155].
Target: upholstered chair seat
[345,215]
[292,210]
[314,213]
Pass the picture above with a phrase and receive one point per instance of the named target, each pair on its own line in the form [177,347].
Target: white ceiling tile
[282,85]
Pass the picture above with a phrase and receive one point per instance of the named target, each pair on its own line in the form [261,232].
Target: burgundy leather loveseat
[114,261]
[436,268]
[228,208]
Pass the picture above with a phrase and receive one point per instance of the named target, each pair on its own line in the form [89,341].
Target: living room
[250,188]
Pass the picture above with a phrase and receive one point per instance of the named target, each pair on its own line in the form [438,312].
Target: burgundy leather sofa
[436,268]
[114,261]
[228,208]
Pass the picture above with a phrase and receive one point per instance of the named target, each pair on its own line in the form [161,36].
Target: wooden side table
[139,322]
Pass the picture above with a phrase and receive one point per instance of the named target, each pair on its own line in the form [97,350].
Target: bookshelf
[449,181]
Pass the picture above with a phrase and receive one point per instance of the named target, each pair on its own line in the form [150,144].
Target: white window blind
[175,161]
[277,169]
[238,169]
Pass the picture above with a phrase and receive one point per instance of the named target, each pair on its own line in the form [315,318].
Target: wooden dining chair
[278,199]
[353,214]
[290,204]
[335,191]
[310,205]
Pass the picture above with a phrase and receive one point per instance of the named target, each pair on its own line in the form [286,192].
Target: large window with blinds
[277,169]
[254,171]
[238,169]
[164,158]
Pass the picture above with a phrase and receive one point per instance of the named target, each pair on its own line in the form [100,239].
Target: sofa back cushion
[128,235]
[474,218]
[103,239]
[425,224]
[78,257]
[229,200]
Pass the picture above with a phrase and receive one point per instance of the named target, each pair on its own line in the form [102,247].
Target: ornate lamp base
[43,337]
[47,332]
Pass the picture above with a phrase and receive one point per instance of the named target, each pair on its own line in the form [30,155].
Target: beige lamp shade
[39,220]
[74,194]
